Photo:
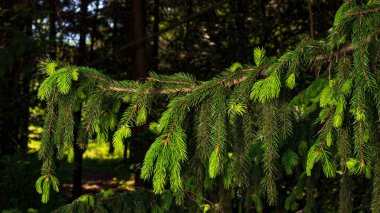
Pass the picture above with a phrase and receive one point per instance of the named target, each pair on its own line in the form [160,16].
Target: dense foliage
[125,39]
[245,131]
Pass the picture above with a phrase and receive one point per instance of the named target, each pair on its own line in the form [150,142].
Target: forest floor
[102,172]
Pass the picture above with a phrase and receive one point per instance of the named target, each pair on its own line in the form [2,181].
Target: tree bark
[78,161]
[139,147]
[111,148]
[155,30]
[311,18]
[78,151]
[140,70]
[82,32]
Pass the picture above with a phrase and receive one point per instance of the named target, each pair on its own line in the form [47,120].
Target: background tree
[17,53]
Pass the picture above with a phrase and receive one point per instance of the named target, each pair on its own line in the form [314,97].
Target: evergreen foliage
[138,201]
[253,125]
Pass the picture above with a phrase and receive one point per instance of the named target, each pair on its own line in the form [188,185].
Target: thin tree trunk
[82,32]
[140,70]
[111,148]
[78,160]
[187,41]
[77,175]
[138,148]
[125,157]
[155,30]
[94,28]
[311,18]
[78,151]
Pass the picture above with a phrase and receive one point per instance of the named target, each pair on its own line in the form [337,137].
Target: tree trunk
[82,32]
[139,61]
[78,161]
[138,147]
[94,28]
[155,30]
[111,149]
[78,152]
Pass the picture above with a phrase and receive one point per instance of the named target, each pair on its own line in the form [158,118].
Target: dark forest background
[125,39]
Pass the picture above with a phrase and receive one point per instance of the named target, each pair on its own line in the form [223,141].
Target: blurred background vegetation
[125,39]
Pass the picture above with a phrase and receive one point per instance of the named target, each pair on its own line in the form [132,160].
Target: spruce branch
[105,84]
[171,82]
[225,82]
[266,123]
[362,12]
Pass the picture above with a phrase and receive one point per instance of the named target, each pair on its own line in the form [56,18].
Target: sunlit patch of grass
[100,151]
[35,130]
[94,150]
[128,184]
[107,193]
[34,137]
[37,111]
[33,146]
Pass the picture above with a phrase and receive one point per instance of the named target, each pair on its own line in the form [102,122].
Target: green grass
[100,151]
